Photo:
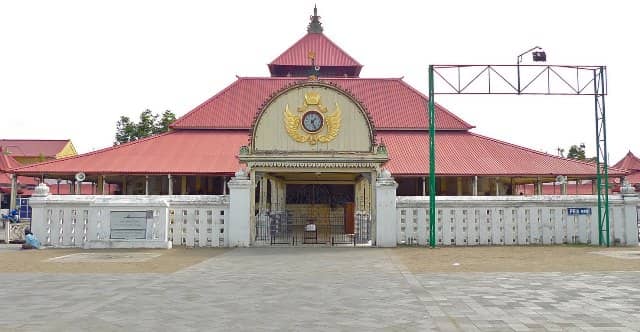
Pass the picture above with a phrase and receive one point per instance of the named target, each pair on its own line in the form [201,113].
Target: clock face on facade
[312,121]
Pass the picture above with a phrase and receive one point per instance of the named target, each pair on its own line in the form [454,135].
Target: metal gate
[295,228]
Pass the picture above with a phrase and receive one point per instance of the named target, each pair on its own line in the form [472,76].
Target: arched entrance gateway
[313,161]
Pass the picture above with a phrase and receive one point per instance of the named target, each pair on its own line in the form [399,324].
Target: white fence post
[239,210]
[386,211]
[630,215]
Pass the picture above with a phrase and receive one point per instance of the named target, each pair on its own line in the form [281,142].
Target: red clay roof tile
[467,154]
[175,152]
[33,147]
[327,53]
[392,103]
[630,162]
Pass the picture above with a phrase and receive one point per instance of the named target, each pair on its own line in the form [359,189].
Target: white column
[386,224]
[14,192]
[239,210]
[170,189]
[224,185]
[475,185]
[146,184]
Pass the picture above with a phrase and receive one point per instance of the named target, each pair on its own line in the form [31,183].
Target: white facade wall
[84,220]
[514,220]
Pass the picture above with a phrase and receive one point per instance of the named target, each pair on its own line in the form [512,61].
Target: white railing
[76,220]
[514,220]
[198,221]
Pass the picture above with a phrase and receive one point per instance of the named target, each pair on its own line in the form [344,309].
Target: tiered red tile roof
[631,163]
[207,139]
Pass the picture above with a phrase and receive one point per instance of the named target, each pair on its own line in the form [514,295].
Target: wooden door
[349,215]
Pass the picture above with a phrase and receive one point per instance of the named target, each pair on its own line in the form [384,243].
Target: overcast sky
[70,69]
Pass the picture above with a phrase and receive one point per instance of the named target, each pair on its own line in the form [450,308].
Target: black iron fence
[300,228]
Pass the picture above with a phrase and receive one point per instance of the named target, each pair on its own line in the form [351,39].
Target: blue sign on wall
[578,211]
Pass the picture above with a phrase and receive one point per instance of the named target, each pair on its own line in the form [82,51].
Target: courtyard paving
[314,289]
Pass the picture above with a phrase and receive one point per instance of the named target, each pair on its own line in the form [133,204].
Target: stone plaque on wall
[129,225]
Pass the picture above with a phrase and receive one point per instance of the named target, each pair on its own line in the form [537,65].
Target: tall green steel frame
[560,80]
[432,161]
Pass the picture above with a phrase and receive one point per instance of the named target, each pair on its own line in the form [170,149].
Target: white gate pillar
[386,225]
[38,203]
[630,213]
[239,210]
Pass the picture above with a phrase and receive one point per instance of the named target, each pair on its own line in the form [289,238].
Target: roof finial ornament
[314,26]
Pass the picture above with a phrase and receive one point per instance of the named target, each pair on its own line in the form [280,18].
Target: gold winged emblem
[313,123]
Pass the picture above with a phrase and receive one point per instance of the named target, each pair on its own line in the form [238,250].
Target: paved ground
[344,289]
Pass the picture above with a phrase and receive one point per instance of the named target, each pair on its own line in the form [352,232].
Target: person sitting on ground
[30,240]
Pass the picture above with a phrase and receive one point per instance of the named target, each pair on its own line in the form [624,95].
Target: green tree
[126,131]
[149,124]
[576,152]
[162,125]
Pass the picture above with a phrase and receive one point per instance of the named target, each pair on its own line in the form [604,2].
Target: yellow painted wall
[31,160]
[68,151]
[271,135]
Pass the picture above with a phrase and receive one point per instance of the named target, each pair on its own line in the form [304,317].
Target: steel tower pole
[432,163]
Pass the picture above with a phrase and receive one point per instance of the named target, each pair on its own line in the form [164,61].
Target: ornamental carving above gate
[312,123]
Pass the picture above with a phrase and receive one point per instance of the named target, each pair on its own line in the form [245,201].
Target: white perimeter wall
[203,221]
[513,220]
[79,220]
